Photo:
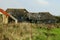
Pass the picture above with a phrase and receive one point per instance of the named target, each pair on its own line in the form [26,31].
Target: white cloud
[43,2]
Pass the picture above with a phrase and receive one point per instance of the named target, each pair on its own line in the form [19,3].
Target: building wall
[5,19]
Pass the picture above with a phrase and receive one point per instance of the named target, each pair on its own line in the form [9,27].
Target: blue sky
[52,6]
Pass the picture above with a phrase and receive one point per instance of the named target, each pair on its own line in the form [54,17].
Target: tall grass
[29,31]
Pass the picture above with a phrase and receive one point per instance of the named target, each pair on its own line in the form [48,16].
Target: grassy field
[29,31]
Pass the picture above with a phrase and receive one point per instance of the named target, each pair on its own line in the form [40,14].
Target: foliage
[27,31]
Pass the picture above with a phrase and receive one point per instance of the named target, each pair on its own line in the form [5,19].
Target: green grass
[27,31]
[20,31]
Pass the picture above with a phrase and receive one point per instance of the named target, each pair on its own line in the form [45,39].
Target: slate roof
[40,16]
[17,13]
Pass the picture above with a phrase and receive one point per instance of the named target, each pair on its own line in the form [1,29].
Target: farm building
[21,15]
[41,17]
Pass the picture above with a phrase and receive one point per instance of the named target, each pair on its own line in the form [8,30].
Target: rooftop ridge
[15,8]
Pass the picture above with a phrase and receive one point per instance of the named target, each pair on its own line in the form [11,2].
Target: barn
[41,17]
[19,14]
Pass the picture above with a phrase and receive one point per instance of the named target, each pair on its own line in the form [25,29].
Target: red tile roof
[4,12]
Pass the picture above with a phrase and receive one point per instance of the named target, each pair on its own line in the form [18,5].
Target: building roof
[17,13]
[3,12]
[40,16]
[13,9]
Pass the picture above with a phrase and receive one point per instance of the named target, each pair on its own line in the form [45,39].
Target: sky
[52,6]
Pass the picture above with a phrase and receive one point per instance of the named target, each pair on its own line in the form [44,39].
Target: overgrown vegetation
[29,31]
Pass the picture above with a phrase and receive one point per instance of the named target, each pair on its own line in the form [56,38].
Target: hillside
[29,31]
